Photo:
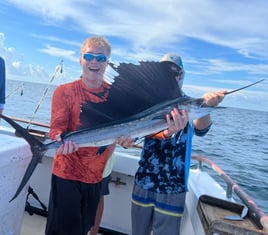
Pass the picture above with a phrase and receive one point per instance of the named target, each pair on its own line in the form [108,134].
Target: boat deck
[33,224]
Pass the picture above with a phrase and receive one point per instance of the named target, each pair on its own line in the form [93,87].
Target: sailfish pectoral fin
[30,169]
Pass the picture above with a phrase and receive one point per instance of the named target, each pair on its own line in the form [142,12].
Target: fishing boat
[212,206]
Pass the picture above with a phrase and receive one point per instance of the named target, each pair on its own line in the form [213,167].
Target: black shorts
[72,207]
[105,185]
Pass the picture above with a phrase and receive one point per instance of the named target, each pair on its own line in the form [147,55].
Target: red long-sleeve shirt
[83,165]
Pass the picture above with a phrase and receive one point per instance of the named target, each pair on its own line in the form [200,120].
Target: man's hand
[176,121]
[213,98]
[125,142]
[66,147]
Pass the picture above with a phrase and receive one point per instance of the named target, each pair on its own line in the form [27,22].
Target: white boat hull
[120,194]
[15,156]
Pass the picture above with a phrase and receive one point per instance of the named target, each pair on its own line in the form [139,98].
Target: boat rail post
[199,165]
[229,190]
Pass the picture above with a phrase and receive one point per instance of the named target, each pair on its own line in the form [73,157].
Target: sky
[223,44]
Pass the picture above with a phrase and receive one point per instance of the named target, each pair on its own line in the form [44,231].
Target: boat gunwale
[258,216]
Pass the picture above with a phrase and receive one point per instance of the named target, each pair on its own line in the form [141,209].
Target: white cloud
[144,30]
[62,53]
[15,66]
[57,39]
[151,24]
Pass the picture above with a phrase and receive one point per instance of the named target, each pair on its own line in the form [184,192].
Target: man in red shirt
[77,172]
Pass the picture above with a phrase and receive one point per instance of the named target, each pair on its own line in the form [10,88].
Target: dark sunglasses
[99,57]
[176,70]
[177,73]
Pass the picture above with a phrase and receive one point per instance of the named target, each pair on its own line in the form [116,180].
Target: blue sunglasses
[99,57]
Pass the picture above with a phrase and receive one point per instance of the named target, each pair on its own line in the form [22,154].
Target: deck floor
[33,224]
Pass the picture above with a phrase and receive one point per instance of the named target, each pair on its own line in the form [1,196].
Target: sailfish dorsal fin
[136,87]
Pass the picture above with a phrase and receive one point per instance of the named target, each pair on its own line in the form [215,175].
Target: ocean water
[237,141]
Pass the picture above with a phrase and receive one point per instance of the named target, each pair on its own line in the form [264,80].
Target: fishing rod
[241,88]
[58,69]
[12,92]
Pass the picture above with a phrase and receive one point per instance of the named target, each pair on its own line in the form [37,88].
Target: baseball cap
[174,58]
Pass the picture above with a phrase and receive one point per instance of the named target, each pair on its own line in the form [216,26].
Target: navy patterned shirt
[164,163]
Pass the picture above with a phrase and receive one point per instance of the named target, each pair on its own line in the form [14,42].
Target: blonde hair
[97,41]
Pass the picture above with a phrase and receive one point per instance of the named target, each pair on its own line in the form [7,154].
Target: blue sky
[223,44]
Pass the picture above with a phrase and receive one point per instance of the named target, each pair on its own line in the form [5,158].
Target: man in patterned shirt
[160,185]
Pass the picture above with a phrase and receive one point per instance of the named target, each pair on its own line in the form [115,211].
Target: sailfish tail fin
[27,175]
[37,147]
